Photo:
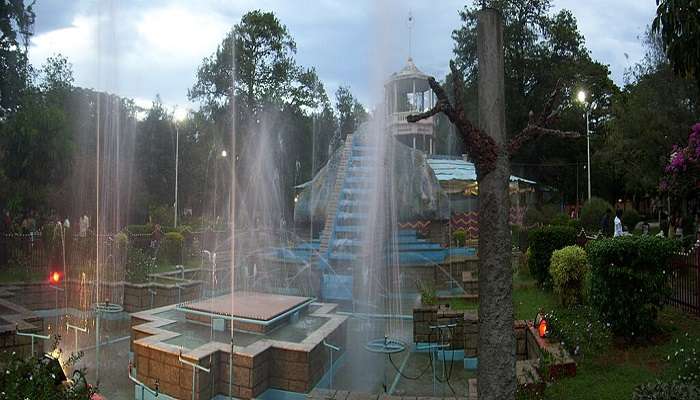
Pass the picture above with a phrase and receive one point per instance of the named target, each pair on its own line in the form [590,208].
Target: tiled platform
[249,305]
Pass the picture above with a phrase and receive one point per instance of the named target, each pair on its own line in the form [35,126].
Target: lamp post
[177,159]
[582,99]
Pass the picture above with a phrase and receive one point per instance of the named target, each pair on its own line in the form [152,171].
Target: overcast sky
[140,48]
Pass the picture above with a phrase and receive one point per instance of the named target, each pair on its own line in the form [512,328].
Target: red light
[55,277]
[542,328]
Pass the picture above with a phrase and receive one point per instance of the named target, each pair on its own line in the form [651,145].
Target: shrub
[138,265]
[428,294]
[533,216]
[568,268]
[666,391]
[32,378]
[592,212]
[628,281]
[576,224]
[560,219]
[630,219]
[171,248]
[543,241]
[121,240]
[139,229]
[459,238]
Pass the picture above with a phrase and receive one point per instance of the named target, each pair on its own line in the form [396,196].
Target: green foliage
[33,378]
[121,240]
[630,218]
[459,238]
[171,248]
[543,241]
[16,22]
[687,358]
[161,215]
[673,390]
[579,331]
[533,216]
[560,219]
[678,23]
[644,126]
[351,113]
[628,281]
[568,269]
[428,294]
[139,229]
[139,265]
[592,212]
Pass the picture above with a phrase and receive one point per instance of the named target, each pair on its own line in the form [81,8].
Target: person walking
[618,223]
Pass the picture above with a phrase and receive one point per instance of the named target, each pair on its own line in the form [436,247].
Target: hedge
[592,212]
[171,248]
[629,281]
[542,242]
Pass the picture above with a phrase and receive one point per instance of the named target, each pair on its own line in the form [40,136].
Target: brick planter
[263,364]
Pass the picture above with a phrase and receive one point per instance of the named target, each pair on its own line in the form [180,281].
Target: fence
[685,281]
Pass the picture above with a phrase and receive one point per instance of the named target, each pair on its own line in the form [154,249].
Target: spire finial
[410,31]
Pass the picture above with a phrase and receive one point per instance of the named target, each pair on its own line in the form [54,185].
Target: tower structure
[408,92]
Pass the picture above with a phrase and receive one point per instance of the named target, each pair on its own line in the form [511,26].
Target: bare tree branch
[538,126]
[533,132]
[480,147]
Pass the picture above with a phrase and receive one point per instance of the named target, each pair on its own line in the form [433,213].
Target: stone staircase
[332,205]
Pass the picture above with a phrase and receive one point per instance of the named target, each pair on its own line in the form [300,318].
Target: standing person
[155,237]
[618,223]
[82,225]
[605,223]
[678,234]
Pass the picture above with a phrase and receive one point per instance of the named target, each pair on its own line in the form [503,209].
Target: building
[408,92]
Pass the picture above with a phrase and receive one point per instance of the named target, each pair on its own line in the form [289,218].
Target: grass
[614,372]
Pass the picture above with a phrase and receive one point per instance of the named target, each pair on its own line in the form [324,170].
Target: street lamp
[223,153]
[581,96]
[178,117]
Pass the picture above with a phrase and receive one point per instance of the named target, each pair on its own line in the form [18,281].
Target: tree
[16,23]
[678,23]
[541,50]
[488,147]
[351,113]
[650,114]
[155,155]
[254,62]
[254,69]
[36,145]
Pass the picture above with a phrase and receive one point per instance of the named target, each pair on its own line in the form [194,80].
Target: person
[83,225]
[155,237]
[645,228]
[605,223]
[678,234]
[618,223]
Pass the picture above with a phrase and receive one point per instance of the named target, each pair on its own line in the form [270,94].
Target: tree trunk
[496,374]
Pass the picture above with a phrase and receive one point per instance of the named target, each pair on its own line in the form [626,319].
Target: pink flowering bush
[682,173]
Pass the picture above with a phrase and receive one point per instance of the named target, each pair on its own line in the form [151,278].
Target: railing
[685,281]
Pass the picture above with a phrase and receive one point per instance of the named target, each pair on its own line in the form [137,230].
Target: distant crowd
[32,222]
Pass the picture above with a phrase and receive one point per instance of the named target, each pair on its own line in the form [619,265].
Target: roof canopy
[409,75]
[448,169]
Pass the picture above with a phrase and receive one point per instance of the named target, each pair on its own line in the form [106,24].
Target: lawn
[614,372]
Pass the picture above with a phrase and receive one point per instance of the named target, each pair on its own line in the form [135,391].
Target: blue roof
[456,169]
